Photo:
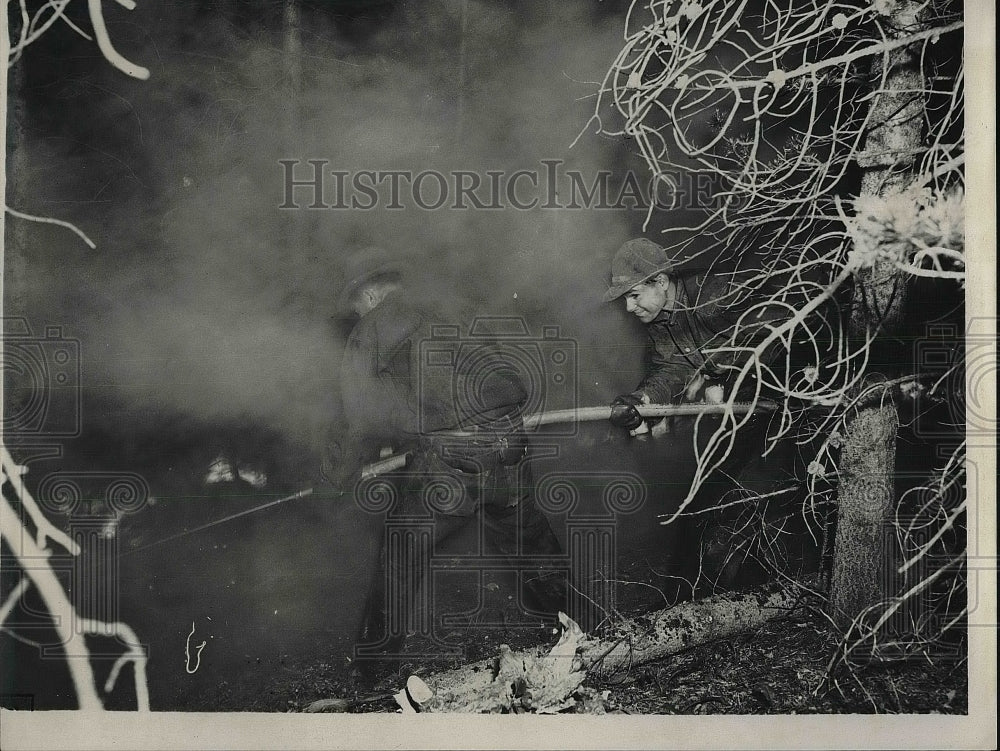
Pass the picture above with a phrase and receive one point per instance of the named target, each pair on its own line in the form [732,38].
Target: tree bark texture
[865,501]
[672,630]
[890,150]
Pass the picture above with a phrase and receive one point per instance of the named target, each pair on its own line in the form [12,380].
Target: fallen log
[531,680]
[665,632]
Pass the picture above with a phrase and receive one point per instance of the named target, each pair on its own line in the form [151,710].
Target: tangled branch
[776,102]
[28,551]
[33,26]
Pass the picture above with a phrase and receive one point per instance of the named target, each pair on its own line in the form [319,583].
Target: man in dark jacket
[463,426]
[688,313]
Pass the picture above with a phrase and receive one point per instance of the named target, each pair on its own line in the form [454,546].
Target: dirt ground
[782,668]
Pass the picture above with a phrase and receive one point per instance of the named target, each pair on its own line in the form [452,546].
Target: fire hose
[583,414]
[552,417]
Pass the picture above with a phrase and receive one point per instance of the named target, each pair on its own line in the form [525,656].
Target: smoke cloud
[206,300]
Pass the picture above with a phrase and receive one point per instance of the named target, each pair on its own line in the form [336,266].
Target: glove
[624,413]
[339,469]
[714,394]
[694,388]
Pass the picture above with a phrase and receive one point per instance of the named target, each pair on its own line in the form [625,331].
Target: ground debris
[781,668]
[531,681]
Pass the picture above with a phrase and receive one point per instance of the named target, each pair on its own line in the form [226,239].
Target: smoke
[205,299]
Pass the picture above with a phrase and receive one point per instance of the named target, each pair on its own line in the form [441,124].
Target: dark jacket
[707,309]
[400,379]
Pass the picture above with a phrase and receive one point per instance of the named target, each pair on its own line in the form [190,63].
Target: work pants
[449,485]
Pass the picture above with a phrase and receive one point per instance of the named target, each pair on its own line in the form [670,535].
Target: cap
[364,266]
[635,262]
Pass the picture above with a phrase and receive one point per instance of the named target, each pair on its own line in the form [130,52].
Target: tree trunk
[867,461]
[865,499]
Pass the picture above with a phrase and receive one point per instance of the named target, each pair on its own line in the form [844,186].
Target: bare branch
[50,220]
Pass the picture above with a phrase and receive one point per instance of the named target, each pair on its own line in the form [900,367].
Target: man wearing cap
[465,434]
[687,312]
